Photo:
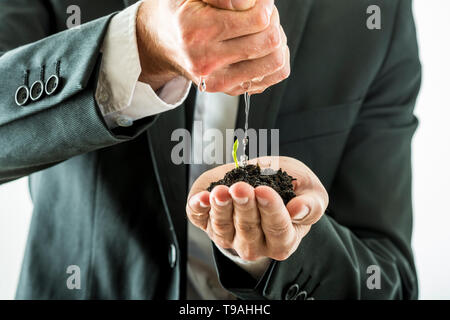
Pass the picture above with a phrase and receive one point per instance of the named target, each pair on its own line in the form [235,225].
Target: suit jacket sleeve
[368,225]
[67,123]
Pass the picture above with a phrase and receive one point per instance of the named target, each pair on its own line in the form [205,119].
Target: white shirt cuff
[122,99]
[255,268]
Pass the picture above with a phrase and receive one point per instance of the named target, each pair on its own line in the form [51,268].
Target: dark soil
[279,180]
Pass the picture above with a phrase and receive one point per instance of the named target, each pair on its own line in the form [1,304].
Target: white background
[431,158]
[431,151]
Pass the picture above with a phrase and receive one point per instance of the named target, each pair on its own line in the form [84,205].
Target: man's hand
[229,42]
[254,221]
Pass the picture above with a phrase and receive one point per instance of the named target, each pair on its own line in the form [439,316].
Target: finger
[281,238]
[250,47]
[231,4]
[275,66]
[226,79]
[205,179]
[260,85]
[306,209]
[197,209]
[225,53]
[221,217]
[273,79]
[240,23]
[249,238]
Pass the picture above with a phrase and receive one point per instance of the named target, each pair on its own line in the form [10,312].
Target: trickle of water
[202,85]
[244,158]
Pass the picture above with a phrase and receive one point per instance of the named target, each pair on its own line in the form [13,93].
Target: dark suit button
[302,295]
[51,85]
[22,95]
[36,90]
[291,294]
[172,255]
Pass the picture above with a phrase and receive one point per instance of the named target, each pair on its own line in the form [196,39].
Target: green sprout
[235,147]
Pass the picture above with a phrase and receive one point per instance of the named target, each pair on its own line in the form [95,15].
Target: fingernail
[240,201]
[204,205]
[262,201]
[303,213]
[221,203]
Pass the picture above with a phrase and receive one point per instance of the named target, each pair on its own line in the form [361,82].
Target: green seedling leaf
[235,148]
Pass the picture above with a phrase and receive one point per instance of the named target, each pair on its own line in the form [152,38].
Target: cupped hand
[254,222]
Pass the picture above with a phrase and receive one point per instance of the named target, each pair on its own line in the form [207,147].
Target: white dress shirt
[123,99]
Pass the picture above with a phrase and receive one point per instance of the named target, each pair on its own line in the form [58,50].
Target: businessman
[88,114]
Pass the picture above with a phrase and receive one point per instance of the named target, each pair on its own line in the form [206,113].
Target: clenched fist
[228,42]
[254,221]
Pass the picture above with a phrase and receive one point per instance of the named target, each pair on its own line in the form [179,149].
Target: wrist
[156,69]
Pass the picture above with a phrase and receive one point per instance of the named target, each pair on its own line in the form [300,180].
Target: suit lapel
[294,15]
[172,178]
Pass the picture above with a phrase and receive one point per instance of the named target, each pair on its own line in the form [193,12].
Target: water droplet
[244,160]
[247,110]
[202,86]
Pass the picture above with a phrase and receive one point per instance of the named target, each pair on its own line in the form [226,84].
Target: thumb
[239,5]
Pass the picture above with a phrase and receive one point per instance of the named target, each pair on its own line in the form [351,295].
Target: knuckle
[276,230]
[273,37]
[224,25]
[247,227]
[222,227]
[250,53]
[278,59]
[261,19]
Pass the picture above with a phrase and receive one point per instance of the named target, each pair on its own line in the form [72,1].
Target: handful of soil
[279,180]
